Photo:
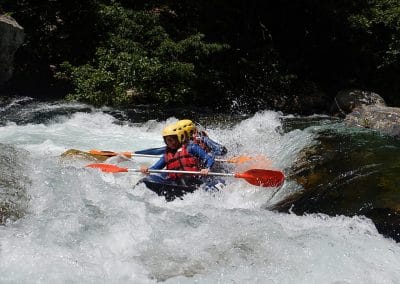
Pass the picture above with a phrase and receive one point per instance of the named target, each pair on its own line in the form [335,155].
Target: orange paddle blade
[109,153]
[108,168]
[260,177]
[239,159]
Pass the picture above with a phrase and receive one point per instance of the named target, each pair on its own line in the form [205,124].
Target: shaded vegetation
[279,54]
[137,54]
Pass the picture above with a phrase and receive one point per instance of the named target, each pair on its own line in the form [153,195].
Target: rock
[384,119]
[368,110]
[14,183]
[347,100]
[11,37]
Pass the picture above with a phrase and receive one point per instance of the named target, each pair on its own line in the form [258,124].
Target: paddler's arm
[197,151]
[160,164]
[152,151]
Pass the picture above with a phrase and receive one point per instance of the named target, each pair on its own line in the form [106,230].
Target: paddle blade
[239,159]
[109,153]
[107,168]
[260,177]
[83,155]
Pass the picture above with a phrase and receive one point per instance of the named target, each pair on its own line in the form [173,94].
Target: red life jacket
[180,160]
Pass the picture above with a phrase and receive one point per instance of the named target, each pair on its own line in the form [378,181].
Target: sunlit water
[83,226]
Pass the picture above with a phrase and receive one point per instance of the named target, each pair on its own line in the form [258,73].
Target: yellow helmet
[187,125]
[174,129]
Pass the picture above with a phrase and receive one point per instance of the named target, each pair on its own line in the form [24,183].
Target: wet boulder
[11,37]
[368,110]
[381,118]
[347,100]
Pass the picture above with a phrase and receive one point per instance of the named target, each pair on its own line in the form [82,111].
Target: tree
[137,54]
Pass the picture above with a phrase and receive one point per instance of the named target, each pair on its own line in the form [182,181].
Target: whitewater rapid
[83,226]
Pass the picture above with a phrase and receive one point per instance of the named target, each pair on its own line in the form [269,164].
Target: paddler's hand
[144,170]
[204,172]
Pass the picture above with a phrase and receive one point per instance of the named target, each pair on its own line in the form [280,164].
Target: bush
[138,54]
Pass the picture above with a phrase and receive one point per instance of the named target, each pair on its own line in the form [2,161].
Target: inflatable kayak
[172,189]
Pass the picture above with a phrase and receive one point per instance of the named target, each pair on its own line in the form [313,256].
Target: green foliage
[380,24]
[377,34]
[138,54]
[92,84]
[265,53]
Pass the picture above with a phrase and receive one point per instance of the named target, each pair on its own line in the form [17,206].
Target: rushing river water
[68,224]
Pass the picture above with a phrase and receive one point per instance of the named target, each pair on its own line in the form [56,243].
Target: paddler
[180,155]
[200,137]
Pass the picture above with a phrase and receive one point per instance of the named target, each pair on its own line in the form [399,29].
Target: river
[65,223]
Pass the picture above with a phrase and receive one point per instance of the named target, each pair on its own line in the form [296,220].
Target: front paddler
[180,155]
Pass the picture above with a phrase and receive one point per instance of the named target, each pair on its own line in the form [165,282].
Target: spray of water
[84,226]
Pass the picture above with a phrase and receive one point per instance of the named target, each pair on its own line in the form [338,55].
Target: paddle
[150,152]
[234,160]
[258,177]
[126,154]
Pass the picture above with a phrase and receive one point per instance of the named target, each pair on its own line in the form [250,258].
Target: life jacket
[180,160]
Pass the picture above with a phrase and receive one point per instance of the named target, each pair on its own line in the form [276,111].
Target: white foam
[85,226]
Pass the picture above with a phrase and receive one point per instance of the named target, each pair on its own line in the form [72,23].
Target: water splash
[85,226]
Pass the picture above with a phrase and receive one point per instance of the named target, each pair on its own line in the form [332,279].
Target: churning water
[70,224]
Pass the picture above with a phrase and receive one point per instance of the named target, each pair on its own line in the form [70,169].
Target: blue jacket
[194,150]
[215,148]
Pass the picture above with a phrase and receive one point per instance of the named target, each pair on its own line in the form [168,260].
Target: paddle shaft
[183,172]
[157,156]
[255,176]
[146,156]
[258,177]
[234,160]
